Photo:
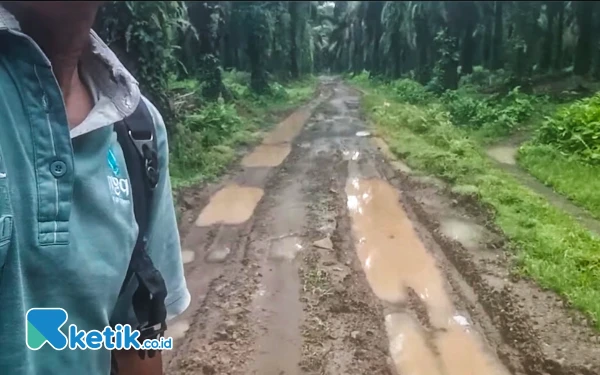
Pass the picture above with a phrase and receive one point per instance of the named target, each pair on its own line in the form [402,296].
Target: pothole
[233,204]
[395,260]
[267,155]
[467,234]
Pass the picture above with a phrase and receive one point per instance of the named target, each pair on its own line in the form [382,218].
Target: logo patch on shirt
[112,162]
[119,187]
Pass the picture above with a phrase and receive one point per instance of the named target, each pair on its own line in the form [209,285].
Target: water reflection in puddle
[468,234]
[267,155]
[233,204]
[394,259]
[408,346]
[289,128]
[351,155]
[462,354]
[393,256]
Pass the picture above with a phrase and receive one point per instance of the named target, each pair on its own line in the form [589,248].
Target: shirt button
[58,168]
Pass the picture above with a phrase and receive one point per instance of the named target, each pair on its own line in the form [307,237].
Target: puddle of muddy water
[408,347]
[288,129]
[267,155]
[457,349]
[233,204]
[392,255]
[394,259]
[468,234]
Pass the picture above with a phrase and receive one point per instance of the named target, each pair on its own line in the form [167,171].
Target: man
[66,232]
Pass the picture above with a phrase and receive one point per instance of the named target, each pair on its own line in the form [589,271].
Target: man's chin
[52,9]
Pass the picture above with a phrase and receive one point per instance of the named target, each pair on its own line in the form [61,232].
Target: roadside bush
[466,110]
[482,77]
[505,113]
[575,129]
[215,122]
[361,79]
[409,91]
[202,142]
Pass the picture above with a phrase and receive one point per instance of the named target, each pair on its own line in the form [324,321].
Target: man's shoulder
[160,131]
[157,118]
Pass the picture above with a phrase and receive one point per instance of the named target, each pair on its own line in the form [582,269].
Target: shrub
[482,77]
[409,91]
[575,129]
[361,79]
[215,122]
[506,112]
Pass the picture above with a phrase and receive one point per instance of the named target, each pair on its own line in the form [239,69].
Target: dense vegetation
[442,81]
[214,69]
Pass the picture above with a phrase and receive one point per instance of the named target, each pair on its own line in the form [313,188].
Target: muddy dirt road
[319,254]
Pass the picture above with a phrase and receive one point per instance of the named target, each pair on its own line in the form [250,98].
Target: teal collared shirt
[67,227]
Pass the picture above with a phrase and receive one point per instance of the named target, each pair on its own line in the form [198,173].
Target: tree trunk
[204,17]
[397,53]
[423,42]
[583,51]
[358,59]
[294,66]
[468,22]
[558,57]
[497,57]
[548,43]
[257,23]
[486,60]
[467,50]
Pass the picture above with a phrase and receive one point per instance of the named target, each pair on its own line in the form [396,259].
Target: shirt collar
[118,92]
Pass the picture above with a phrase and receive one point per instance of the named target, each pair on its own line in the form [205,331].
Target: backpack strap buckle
[144,143]
[152,332]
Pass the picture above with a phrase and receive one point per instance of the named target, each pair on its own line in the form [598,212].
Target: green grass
[549,245]
[569,176]
[208,134]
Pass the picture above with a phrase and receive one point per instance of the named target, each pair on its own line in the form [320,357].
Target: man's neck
[63,37]
[63,41]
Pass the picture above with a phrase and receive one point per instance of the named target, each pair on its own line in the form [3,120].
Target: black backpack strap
[136,135]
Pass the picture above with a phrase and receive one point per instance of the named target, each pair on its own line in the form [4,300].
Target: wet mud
[321,254]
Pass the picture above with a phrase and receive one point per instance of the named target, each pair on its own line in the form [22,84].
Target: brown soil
[289,281]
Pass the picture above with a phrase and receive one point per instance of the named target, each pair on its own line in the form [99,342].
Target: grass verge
[208,133]
[548,244]
[569,176]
